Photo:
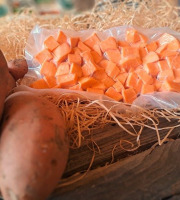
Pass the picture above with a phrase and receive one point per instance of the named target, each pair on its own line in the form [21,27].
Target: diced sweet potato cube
[146,89]
[87,56]
[177,75]
[143,52]
[112,93]
[163,65]
[130,62]
[39,84]
[130,51]
[170,85]
[113,55]
[157,84]
[129,95]
[76,87]
[150,57]
[44,55]
[112,70]
[76,69]
[118,86]
[108,82]
[108,44]
[61,52]
[145,77]
[83,47]
[74,58]
[132,36]
[152,46]
[76,50]
[161,48]
[67,80]
[96,57]
[85,70]
[51,81]
[122,77]
[152,68]
[123,43]
[50,43]
[48,69]
[73,41]
[138,86]
[61,38]
[95,90]
[173,61]
[62,69]
[166,74]
[167,53]
[100,86]
[104,63]
[131,79]
[100,74]
[87,82]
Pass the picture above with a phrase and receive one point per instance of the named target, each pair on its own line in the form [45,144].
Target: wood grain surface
[150,175]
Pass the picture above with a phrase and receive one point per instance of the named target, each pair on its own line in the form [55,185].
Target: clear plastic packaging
[37,36]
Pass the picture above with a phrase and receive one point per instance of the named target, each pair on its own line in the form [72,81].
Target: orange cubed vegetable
[138,86]
[169,85]
[118,86]
[177,75]
[152,46]
[151,57]
[112,93]
[108,44]
[108,82]
[85,70]
[61,52]
[145,77]
[173,61]
[161,48]
[73,41]
[87,56]
[62,69]
[112,70]
[44,55]
[152,68]
[76,87]
[61,38]
[76,50]
[163,65]
[104,63]
[96,57]
[76,69]
[100,85]
[157,84]
[51,81]
[67,80]
[143,52]
[95,90]
[87,82]
[131,79]
[130,51]
[143,38]
[123,43]
[166,74]
[50,43]
[39,84]
[83,47]
[146,89]
[113,55]
[74,58]
[100,74]
[130,62]
[132,36]
[122,77]
[48,69]
[129,95]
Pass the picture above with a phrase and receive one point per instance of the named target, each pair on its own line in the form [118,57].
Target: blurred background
[53,6]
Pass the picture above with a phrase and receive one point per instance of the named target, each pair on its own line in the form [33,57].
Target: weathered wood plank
[106,139]
[150,175]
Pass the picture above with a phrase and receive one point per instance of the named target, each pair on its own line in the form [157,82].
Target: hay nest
[85,115]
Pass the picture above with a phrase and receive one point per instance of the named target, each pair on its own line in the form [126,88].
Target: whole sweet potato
[7,82]
[33,147]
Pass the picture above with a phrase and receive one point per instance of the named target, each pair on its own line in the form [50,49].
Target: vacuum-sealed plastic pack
[158,46]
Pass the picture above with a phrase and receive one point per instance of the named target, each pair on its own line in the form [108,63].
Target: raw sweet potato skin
[18,68]
[7,82]
[33,147]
